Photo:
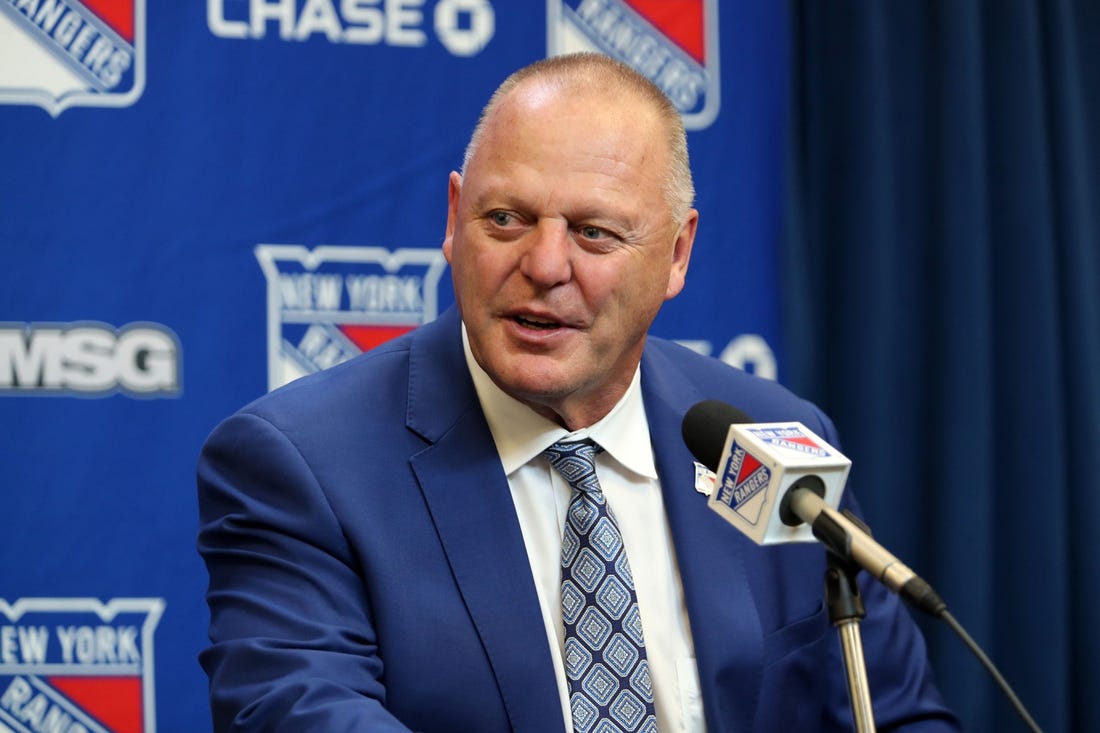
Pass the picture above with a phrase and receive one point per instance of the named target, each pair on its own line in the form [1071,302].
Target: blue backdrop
[201,200]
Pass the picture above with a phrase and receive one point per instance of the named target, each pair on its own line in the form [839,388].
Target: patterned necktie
[610,690]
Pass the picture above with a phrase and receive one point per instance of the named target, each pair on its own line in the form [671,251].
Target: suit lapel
[721,609]
[468,497]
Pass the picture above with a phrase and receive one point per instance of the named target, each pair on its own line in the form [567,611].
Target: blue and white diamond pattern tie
[610,690]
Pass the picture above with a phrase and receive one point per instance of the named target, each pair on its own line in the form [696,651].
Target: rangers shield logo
[743,484]
[331,303]
[791,439]
[672,42]
[76,665]
[66,53]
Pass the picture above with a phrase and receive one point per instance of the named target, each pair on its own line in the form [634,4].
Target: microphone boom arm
[853,543]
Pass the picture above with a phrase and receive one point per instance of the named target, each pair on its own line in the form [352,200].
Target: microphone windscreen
[705,427]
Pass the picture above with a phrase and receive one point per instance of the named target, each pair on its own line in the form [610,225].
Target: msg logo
[89,359]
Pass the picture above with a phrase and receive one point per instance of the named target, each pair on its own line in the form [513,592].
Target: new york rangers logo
[76,665]
[672,42]
[67,53]
[331,303]
[791,439]
[744,483]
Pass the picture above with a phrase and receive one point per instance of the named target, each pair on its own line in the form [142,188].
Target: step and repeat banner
[200,201]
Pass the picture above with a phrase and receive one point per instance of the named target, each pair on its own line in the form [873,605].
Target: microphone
[780,482]
[776,479]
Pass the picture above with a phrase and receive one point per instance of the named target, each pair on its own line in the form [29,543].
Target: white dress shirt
[628,478]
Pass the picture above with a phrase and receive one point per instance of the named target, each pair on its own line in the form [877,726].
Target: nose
[547,260]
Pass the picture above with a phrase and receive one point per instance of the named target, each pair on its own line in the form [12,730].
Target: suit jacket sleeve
[280,660]
[367,570]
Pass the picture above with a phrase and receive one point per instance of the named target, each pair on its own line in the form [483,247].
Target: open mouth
[537,324]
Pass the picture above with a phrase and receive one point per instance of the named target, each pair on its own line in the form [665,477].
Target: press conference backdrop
[200,201]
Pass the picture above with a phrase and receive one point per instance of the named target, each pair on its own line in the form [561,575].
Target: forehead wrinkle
[578,195]
[609,155]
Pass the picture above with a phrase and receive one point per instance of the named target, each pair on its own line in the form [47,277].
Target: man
[391,541]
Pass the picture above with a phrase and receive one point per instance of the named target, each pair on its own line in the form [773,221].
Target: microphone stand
[846,610]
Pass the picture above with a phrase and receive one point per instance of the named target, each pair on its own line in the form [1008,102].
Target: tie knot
[575,461]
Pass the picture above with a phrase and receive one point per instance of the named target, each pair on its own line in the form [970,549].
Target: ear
[454,188]
[681,254]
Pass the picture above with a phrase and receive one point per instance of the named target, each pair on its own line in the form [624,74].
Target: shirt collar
[521,434]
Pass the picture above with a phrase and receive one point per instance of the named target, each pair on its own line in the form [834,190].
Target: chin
[539,387]
[528,383]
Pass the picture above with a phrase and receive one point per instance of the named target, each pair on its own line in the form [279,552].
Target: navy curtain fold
[942,302]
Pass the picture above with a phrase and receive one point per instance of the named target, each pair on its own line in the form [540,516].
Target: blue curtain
[942,302]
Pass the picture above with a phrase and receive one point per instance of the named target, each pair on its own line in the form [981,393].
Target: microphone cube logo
[744,484]
[76,665]
[760,464]
[794,439]
[329,304]
[72,53]
[674,44]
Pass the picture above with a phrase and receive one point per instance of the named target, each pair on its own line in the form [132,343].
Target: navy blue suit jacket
[367,570]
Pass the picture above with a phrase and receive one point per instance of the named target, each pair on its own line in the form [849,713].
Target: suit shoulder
[696,377]
[367,381]
[666,354]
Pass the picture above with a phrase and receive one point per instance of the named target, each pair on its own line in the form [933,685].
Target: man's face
[562,247]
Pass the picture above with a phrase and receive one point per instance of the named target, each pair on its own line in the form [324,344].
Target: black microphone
[780,482]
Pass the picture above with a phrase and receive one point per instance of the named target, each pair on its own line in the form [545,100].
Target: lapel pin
[704,479]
